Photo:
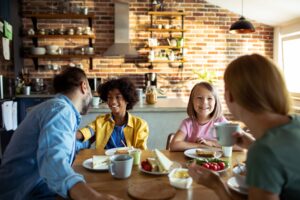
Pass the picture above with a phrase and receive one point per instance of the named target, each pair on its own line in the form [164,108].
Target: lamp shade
[242,26]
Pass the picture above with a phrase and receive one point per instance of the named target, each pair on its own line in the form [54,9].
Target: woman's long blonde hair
[256,84]
[217,112]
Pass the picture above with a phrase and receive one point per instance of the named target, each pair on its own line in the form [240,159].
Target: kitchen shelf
[63,36]
[170,52]
[60,16]
[65,56]
[166,13]
[35,38]
[168,61]
[166,30]
[164,47]
[35,58]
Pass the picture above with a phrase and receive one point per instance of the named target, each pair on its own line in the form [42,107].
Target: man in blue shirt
[37,161]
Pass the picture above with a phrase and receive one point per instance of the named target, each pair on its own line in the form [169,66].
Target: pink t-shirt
[193,130]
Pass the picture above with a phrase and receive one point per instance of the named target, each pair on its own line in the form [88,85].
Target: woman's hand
[209,179]
[204,176]
[243,139]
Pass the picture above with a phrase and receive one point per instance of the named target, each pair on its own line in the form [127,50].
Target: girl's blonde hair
[217,112]
[256,84]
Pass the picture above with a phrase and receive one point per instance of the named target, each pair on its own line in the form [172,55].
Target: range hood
[121,46]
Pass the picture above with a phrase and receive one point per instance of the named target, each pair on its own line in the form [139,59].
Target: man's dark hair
[68,80]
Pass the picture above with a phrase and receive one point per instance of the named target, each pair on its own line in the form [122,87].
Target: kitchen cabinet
[60,36]
[25,103]
[166,42]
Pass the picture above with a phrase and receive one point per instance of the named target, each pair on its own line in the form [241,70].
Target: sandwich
[99,161]
[154,164]
[164,163]
[205,153]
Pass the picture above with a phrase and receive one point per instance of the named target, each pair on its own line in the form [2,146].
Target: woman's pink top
[194,130]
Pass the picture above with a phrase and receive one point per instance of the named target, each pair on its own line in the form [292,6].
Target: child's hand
[207,142]
[243,139]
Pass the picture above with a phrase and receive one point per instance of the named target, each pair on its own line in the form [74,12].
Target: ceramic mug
[224,133]
[120,166]
[95,101]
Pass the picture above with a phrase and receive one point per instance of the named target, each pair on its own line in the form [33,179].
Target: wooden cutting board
[151,190]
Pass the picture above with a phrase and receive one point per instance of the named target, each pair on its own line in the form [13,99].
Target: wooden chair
[169,140]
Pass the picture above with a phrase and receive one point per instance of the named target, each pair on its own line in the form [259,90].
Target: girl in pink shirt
[204,109]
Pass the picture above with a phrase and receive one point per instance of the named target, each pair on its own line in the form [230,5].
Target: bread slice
[121,151]
[164,163]
[154,164]
[205,153]
[99,161]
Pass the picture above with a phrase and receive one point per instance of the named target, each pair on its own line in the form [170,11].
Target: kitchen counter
[35,96]
[163,104]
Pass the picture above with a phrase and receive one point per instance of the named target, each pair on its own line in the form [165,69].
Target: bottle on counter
[151,95]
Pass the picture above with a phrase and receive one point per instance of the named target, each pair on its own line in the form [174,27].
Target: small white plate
[174,166]
[88,164]
[232,184]
[111,152]
[191,153]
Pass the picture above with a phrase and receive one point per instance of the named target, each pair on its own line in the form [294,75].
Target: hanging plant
[208,76]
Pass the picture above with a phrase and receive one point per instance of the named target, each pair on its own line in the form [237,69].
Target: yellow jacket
[136,131]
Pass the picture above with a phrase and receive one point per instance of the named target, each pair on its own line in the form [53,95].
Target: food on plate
[239,172]
[159,163]
[205,153]
[121,151]
[154,164]
[164,163]
[214,164]
[99,161]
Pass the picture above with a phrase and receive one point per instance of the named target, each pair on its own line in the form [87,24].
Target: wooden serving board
[151,190]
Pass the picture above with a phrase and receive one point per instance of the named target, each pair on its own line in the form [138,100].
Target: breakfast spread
[99,161]
[205,153]
[159,163]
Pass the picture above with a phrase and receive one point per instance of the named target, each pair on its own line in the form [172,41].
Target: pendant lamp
[242,25]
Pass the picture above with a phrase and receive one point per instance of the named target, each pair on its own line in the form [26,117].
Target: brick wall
[210,45]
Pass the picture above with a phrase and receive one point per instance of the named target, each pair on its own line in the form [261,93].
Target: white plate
[191,153]
[232,184]
[174,166]
[88,164]
[111,152]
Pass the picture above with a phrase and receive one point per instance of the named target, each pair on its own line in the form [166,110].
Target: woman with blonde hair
[204,109]
[256,94]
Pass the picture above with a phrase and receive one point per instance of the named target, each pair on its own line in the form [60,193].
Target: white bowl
[52,48]
[240,173]
[180,182]
[38,51]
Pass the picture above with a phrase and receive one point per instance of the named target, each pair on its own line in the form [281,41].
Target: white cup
[139,92]
[95,101]
[224,133]
[120,166]
[227,151]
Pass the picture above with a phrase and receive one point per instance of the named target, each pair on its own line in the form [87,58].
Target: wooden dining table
[103,182]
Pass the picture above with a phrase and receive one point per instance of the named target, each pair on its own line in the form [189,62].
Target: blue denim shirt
[41,151]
